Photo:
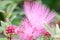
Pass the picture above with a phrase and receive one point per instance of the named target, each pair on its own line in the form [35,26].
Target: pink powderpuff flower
[37,14]
[32,26]
[10,29]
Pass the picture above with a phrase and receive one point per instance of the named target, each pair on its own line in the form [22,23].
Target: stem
[10,37]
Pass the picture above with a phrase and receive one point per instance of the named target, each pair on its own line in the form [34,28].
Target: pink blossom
[10,29]
[37,14]
[32,26]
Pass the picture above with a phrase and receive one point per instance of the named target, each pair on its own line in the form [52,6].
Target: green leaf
[12,18]
[10,9]
[3,4]
[5,24]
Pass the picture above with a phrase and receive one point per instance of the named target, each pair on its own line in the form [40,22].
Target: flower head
[32,26]
[37,14]
[10,29]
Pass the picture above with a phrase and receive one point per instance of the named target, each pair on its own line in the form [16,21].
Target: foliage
[11,10]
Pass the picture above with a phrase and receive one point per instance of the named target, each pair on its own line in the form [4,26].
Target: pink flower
[37,14]
[32,26]
[10,29]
